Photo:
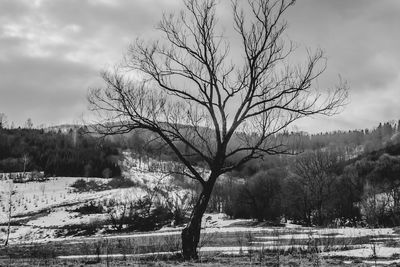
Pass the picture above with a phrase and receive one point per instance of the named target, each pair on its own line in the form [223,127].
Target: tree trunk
[9,221]
[8,232]
[191,233]
[11,187]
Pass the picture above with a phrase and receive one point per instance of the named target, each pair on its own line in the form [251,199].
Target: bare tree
[186,90]
[42,188]
[25,159]
[10,193]
[29,123]
[315,173]
[3,120]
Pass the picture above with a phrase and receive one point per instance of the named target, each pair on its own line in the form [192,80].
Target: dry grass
[101,249]
[210,261]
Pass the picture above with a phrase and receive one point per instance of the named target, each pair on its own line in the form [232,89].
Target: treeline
[367,140]
[318,187]
[349,144]
[72,153]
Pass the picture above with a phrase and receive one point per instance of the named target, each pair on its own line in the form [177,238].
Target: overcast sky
[51,52]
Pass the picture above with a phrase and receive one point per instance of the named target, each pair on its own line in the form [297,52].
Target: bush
[84,229]
[139,215]
[90,208]
[81,185]
[145,217]
[121,182]
[92,227]
[259,197]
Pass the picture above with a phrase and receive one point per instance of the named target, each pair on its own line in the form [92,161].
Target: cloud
[51,51]
[45,89]
[361,44]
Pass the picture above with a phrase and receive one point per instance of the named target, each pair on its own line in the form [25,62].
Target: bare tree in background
[10,201]
[314,169]
[29,123]
[3,120]
[25,159]
[191,94]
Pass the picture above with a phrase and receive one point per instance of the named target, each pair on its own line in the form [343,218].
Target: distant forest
[347,144]
[68,151]
[72,153]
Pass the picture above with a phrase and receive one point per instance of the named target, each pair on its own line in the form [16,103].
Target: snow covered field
[31,197]
[40,209]
[226,237]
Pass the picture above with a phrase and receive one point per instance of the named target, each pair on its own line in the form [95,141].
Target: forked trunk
[191,233]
